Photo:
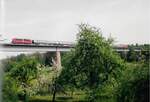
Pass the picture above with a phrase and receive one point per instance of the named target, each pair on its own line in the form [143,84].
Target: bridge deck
[44,48]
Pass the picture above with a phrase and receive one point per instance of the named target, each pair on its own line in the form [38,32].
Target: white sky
[127,20]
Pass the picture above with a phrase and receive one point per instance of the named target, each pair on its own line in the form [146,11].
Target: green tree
[10,89]
[131,56]
[39,57]
[23,72]
[92,61]
[134,84]
[7,63]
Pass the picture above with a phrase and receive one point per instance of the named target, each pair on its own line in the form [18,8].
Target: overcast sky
[127,20]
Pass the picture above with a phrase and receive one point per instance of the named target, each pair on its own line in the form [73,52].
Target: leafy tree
[92,62]
[23,72]
[7,63]
[141,55]
[63,57]
[146,55]
[131,56]
[134,84]
[10,89]
[39,57]
[19,57]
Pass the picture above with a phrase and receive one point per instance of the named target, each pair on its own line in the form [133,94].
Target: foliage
[10,89]
[64,57]
[145,47]
[22,71]
[142,53]
[92,68]
[25,70]
[39,57]
[134,85]
[92,62]
[43,80]
[7,63]
[131,56]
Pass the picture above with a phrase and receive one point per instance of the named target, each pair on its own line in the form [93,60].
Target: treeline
[143,47]
[45,59]
[136,53]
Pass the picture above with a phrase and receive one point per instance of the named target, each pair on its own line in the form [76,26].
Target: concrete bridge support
[125,54]
[58,59]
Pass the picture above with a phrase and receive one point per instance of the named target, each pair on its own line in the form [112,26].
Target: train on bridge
[22,41]
[40,42]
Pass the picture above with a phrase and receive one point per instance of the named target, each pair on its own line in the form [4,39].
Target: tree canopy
[92,61]
[19,76]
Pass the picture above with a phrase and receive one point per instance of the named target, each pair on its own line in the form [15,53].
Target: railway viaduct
[58,48]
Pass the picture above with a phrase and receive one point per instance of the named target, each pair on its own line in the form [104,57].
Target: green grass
[77,97]
[66,99]
[59,98]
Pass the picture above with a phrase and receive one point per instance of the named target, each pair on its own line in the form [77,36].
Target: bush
[10,90]
[134,85]
[17,79]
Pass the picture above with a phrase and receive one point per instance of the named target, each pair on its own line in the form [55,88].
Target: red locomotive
[21,41]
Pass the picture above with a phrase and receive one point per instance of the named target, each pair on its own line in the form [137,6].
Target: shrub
[134,85]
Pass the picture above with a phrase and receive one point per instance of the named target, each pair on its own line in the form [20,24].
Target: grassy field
[59,98]
[62,98]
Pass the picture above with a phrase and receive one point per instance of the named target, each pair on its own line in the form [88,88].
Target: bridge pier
[58,59]
[125,55]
